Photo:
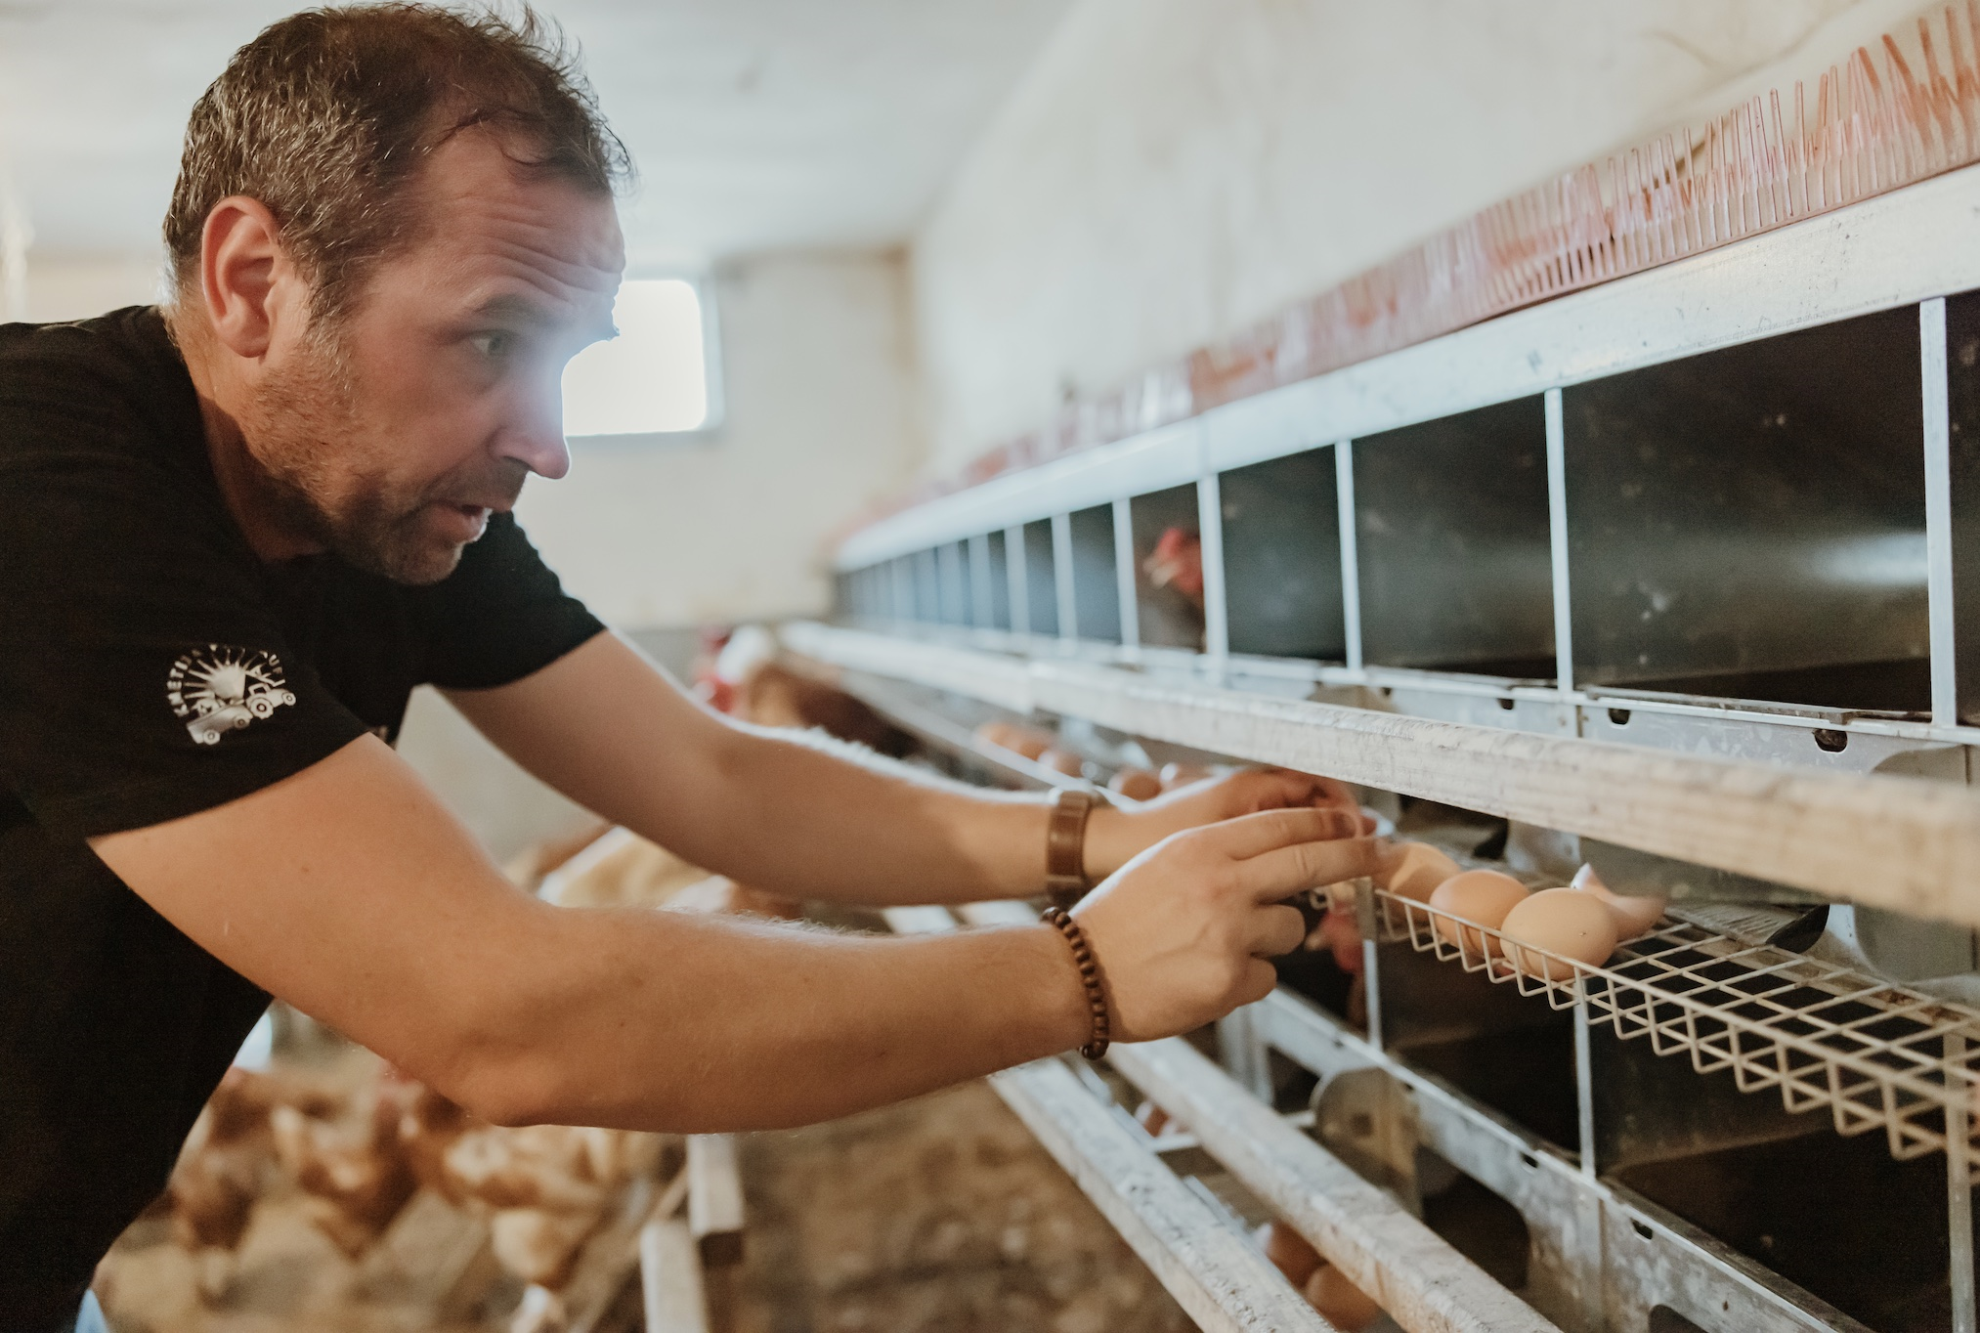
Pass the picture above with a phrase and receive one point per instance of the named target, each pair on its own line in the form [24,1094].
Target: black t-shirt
[150,667]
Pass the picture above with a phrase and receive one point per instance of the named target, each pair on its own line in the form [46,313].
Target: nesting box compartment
[1282,546]
[1168,568]
[1096,588]
[1750,523]
[1837,1216]
[953,600]
[927,588]
[1455,557]
[1040,579]
[1503,1049]
[992,582]
[1963,422]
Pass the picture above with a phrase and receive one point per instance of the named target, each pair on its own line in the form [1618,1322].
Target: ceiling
[757,124]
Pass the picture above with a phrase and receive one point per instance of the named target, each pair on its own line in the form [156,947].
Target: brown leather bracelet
[1089,977]
[1065,845]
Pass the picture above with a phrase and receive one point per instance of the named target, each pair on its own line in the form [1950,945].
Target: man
[236,533]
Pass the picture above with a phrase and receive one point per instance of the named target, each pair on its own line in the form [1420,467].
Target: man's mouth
[463,523]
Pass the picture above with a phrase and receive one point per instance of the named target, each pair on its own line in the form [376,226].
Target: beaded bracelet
[1089,977]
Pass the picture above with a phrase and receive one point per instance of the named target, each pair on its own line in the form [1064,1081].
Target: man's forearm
[689,1024]
[786,814]
[800,817]
[854,828]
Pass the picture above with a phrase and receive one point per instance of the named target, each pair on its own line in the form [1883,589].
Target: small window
[657,377]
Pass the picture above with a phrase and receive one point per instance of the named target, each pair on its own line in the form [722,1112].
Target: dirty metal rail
[1215,1273]
[1412,1273]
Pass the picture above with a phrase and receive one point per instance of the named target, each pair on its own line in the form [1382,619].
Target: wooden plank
[715,1199]
[1410,1271]
[1216,1274]
[610,1258]
[1899,843]
[670,1278]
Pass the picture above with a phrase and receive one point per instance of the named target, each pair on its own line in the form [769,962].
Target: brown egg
[1289,1251]
[1152,1118]
[1634,913]
[1030,744]
[1480,896]
[1339,1301]
[1061,761]
[996,733]
[1137,784]
[1414,870]
[1567,922]
[1181,775]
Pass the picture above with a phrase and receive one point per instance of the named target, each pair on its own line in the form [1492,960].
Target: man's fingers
[1249,835]
[1284,871]
[1286,787]
[1276,931]
[1260,979]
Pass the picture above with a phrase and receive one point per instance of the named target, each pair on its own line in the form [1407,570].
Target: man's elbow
[489,1051]
[509,1092]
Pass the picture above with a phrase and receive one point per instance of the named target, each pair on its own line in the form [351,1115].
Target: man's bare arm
[609,730]
[350,892]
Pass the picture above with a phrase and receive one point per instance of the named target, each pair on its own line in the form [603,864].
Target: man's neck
[245,488]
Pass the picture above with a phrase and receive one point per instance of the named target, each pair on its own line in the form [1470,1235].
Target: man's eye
[494,345]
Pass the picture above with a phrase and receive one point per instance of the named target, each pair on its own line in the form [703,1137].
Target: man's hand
[1114,836]
[1182,931]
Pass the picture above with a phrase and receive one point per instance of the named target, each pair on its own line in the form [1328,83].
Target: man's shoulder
[133,341]
[119,373]
[101,444]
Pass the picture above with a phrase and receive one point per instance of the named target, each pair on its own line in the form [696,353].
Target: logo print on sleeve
[218,689]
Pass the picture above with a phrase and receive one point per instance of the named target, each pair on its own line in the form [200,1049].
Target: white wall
[76,286]
[818,367]
[1173,170]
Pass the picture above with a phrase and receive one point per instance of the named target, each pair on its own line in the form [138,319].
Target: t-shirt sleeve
[143,674]
[501,615]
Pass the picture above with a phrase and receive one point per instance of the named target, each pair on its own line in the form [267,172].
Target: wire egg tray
[1876,1055]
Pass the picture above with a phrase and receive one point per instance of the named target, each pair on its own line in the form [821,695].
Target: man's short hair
[327,116]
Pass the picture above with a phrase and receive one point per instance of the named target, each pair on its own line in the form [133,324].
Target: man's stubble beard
[306,420]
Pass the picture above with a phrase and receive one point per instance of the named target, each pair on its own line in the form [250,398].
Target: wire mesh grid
[1877,1056]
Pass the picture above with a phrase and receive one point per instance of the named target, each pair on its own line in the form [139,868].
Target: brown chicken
[549,1187]
[358,1179]
[220,1174]
[1177,562]
[429,1125]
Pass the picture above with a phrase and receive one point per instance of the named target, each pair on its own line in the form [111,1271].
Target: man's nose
[536,438]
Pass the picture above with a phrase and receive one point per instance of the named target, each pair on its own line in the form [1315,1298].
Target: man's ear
[250,287]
